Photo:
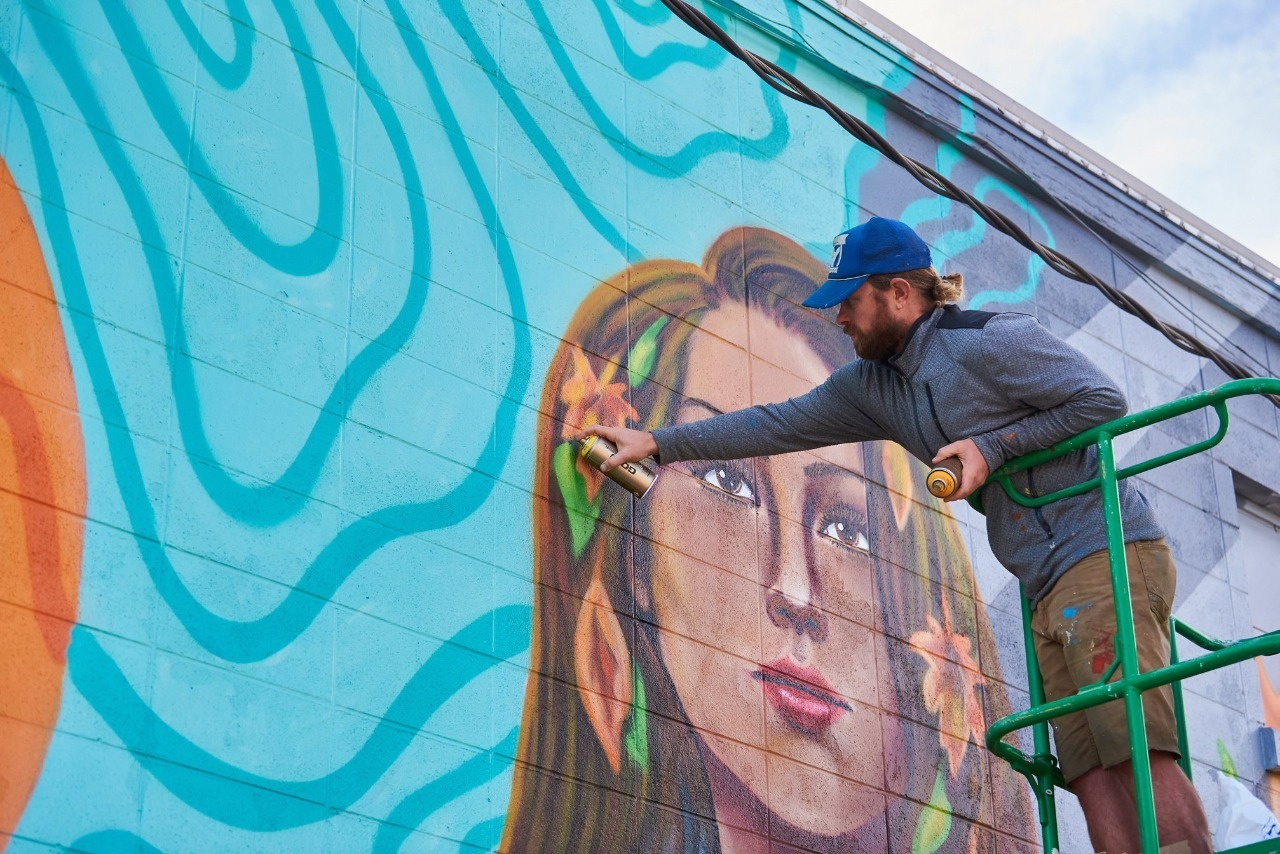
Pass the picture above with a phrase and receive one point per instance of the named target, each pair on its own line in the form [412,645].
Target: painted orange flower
[951,684]
[591,400]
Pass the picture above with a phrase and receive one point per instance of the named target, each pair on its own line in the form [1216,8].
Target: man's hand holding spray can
[959,470]
[636,477]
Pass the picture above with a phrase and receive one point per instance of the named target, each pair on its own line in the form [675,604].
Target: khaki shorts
[1073,627]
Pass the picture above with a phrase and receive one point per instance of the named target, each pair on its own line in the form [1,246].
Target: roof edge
[1052,135]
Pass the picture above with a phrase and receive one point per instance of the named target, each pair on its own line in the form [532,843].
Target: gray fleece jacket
[1002,380]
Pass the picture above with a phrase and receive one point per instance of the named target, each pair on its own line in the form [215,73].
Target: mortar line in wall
[342,425]
[626,188]
[742,180]
[8,110]
[746,317]
[171,447]
[351,254]
[629,245]
[498,278]
[171,333]
[746,307]
[182,280]
[746,314]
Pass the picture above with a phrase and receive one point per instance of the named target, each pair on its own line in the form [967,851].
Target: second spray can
[636,478]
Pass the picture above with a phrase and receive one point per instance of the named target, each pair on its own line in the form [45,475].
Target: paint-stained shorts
[1073,627]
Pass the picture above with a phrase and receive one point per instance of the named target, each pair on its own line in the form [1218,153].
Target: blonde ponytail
[948,288]
[940,290]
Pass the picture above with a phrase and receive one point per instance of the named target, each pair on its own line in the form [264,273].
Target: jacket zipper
[915,410]
[933,410]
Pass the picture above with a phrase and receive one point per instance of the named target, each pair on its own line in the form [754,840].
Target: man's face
[867,318]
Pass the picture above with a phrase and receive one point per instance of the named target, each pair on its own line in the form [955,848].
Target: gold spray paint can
[636,478]
[944,478]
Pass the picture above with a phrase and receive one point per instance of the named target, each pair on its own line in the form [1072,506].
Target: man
[986,388]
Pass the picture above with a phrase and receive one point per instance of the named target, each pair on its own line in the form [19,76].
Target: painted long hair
[634,331]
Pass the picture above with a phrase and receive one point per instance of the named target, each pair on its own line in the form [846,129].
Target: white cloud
[1179,93]
[1206,136]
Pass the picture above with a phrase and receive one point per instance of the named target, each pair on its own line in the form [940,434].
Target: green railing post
[1127,648]
[1179,709]
[1041,780]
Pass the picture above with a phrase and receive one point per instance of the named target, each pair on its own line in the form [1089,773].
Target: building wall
[298,306]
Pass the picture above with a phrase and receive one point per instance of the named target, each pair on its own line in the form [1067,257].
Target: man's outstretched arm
[830,414]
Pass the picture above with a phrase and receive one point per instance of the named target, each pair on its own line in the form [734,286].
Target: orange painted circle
[42,505]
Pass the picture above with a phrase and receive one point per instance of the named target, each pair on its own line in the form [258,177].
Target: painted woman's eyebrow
[697,401]
[825,469]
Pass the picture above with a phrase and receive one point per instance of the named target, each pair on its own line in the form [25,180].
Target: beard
[880,341]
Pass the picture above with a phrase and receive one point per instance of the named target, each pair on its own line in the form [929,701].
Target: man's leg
[1107,798]
[1108,809]
[1074,630]
[1179,812]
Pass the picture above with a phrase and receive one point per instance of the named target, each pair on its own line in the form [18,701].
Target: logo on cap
[837,251]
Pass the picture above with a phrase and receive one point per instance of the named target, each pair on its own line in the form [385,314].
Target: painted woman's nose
[801,617]
[794,589]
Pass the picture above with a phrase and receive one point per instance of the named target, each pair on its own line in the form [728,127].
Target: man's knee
[1105,790]
[1101,787]
[1107,798]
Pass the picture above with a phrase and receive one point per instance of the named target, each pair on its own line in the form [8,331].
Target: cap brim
[834,291]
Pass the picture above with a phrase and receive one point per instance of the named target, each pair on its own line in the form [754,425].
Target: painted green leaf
[636,740]
[1224,759]
[934,823]
[643,352]
[582,513]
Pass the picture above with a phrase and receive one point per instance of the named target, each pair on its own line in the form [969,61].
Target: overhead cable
[791,86]
[1218,338]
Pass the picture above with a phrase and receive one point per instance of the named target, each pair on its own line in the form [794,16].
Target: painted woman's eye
[729,481]
[847,533]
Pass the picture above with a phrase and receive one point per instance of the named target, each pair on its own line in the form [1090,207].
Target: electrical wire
[792,87]
[1217,337]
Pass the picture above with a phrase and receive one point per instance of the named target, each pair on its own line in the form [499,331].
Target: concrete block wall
[297,304]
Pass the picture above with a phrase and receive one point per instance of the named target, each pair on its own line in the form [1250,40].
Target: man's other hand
[973,466]
[632,445]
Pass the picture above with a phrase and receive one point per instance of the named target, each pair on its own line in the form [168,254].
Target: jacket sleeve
[830,414]
[1066,392]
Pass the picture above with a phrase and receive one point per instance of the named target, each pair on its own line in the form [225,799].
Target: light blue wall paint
[312,262]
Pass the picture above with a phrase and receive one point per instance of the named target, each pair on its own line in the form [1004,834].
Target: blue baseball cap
[877,246]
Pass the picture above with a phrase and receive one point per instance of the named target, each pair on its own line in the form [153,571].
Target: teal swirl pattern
[309,259]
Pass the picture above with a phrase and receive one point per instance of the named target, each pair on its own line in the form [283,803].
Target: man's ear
[901,290]
[602,661]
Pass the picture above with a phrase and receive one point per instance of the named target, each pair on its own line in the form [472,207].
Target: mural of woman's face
[762,591]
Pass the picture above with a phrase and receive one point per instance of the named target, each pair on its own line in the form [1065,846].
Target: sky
[1182,94]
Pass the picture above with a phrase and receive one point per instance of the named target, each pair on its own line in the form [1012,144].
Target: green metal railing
[1040,768]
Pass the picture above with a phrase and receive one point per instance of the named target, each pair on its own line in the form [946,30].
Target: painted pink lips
[800,695]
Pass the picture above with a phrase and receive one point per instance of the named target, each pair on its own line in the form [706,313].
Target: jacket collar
[907,360]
